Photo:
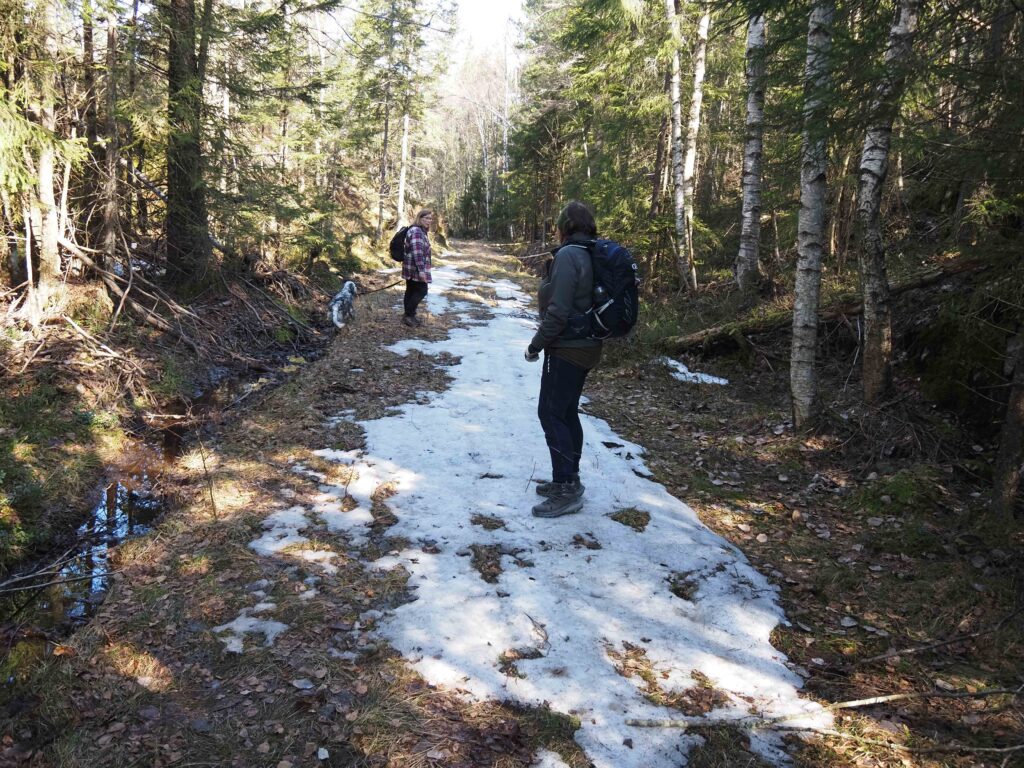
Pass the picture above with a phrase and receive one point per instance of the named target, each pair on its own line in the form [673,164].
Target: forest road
[604,615]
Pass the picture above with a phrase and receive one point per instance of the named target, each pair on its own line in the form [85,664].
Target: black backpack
[616,290]
[397,245]
[616,301]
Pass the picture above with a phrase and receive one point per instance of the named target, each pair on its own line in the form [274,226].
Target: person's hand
[532,354]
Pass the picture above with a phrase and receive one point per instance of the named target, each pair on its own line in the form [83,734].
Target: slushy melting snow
[575,592]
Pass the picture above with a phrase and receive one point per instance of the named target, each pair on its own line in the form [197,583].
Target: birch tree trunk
[678,197]
[110,223]
[748,265]
[481,125]
[504,135]
[403,169]
[700,57]
[91,172]
[137,155]
[803,377]
[49,256]
[874,167]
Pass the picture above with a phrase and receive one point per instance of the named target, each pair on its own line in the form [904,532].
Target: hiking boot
[409,321]
[417,321]
[550,488]
[563,501]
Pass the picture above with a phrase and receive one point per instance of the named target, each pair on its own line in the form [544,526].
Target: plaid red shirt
[416,265]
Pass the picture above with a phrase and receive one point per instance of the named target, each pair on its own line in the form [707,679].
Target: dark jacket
[567,289]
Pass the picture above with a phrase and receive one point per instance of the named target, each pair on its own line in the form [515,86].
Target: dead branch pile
[256,311]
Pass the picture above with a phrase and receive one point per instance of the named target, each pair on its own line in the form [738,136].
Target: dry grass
[633,518]
[487,522]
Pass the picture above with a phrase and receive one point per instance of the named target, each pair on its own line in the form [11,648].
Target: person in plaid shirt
[416,266]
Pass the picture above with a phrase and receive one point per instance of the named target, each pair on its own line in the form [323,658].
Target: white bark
[678,197]
[874,168]
[748,266]
[111,221]
[811,222]
[700,56]
[403,170]
[481,126]
[49,258]
[504,132]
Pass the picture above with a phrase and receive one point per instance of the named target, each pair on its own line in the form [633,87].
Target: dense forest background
[775,162]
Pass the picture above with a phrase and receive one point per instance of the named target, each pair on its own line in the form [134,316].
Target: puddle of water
[127,507]
[123,512]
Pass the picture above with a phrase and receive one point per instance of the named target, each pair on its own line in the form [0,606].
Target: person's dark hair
[574,219]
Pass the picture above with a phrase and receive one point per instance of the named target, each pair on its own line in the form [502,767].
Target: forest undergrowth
[98,377]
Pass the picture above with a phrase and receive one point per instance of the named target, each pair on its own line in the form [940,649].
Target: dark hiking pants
[415,292]
[561,384]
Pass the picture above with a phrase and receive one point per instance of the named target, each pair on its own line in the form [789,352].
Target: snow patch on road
[572,593]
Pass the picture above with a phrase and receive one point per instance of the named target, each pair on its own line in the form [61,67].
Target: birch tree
[700,56]
[748,266]
[874,168]
[684,260]
[45,205]
[811,222]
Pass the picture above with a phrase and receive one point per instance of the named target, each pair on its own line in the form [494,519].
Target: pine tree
[188,240]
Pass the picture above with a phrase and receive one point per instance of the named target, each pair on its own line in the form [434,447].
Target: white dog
[342,306]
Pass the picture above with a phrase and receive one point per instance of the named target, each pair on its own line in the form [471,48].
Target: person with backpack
[416,265]
[566,294]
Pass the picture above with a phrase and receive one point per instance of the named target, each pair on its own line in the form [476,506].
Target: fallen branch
[128,288]
[277,308]
[57,582]
[51,569]
[923,695]
[755,723]
[147,314]
[108,352]
[831,732]
[35,352]
[729,334]
[941,643]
